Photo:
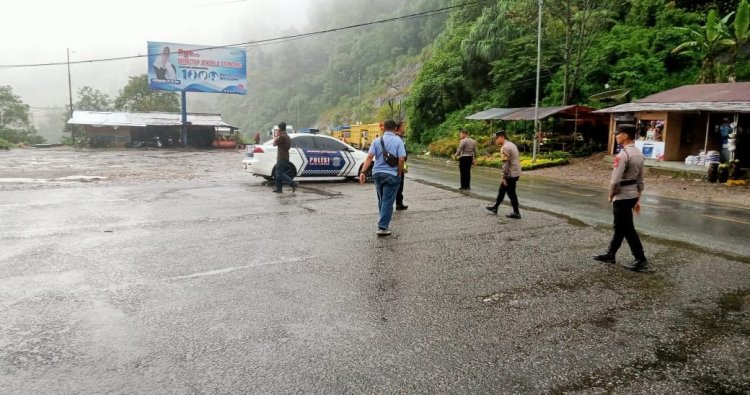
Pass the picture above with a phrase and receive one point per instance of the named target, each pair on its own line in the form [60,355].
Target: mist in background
[37,31]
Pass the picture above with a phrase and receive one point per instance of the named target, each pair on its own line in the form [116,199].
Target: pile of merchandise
[703,158]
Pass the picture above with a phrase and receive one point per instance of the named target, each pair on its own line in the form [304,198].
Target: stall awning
[527,113]
[492,113]
[679,107]
[724,97]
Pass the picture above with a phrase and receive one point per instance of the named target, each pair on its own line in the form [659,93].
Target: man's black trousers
[509,188]
[625,229]
[400,193]
[464,166]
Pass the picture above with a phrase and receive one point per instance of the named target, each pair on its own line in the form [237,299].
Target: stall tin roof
[527,113]
[726,97]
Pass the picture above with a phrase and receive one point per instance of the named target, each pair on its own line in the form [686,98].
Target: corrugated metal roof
[527,113]
[717,93]
[143,119]
[680,107]
[492,113]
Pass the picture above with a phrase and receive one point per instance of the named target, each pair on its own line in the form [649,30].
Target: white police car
[313,157]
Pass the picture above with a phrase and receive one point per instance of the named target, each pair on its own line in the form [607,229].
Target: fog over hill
[97,29]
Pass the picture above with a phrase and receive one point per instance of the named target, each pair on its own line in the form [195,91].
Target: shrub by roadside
[489,154]
[526,163]
[4,144]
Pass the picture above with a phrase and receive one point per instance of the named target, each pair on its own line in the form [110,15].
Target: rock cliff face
[388,103]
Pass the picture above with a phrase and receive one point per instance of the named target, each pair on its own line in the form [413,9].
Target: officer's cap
[626,128]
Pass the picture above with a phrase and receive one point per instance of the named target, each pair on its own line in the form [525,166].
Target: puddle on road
[17,180]
[23,180]
[81,178]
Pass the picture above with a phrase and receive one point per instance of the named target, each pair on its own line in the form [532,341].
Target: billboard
[194,68]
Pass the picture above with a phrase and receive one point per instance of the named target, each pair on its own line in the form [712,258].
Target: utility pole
[70,99]
[538,68]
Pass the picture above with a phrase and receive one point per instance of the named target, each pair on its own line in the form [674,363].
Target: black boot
[638,265]
[492,209]
[606,258]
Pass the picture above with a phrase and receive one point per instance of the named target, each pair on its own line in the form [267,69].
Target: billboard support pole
[70,98]
[183,127]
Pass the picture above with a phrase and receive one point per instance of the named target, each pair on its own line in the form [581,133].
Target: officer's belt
[625,183]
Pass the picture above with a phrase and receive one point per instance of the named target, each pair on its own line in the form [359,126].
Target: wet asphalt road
[216,285]
[717,227]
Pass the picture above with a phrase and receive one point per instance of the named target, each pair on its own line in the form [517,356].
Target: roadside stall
[104,129]
[693,125]
[565,128]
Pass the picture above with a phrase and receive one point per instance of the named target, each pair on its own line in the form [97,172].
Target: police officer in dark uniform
[625,188]
[466,153]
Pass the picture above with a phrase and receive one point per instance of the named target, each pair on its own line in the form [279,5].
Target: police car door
[301,146]
[323,159]
[341,162]
[310,160]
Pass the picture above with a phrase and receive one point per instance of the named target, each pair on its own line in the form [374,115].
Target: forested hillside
[338,76]
[588,47]
[438,68]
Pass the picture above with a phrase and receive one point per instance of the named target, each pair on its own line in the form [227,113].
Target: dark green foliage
[90,99]
[635,58]
[136,97]
[15,126]
[628,46]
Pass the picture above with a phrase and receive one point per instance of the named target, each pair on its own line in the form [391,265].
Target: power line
[268,41]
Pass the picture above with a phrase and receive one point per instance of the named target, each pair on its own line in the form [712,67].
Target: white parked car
[313,157]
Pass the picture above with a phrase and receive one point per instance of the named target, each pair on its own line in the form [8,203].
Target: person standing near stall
[625,188]
[466,152]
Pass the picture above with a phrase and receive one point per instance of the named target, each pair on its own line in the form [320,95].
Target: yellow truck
[342,133]
[361,136]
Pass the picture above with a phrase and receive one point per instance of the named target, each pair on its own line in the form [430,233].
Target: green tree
[15,126]
[13,112]
[490,34]
[573,26]
[635,56]
[738,37]
[90,99]
[136,97]
[706,44]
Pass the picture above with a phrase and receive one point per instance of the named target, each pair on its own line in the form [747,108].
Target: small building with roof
[120,129]
[687,121]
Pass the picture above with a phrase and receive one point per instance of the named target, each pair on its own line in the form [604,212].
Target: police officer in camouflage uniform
[625,189]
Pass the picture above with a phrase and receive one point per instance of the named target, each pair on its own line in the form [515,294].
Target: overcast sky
[39,31]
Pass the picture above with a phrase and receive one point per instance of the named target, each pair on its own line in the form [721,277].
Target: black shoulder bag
[391,160]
